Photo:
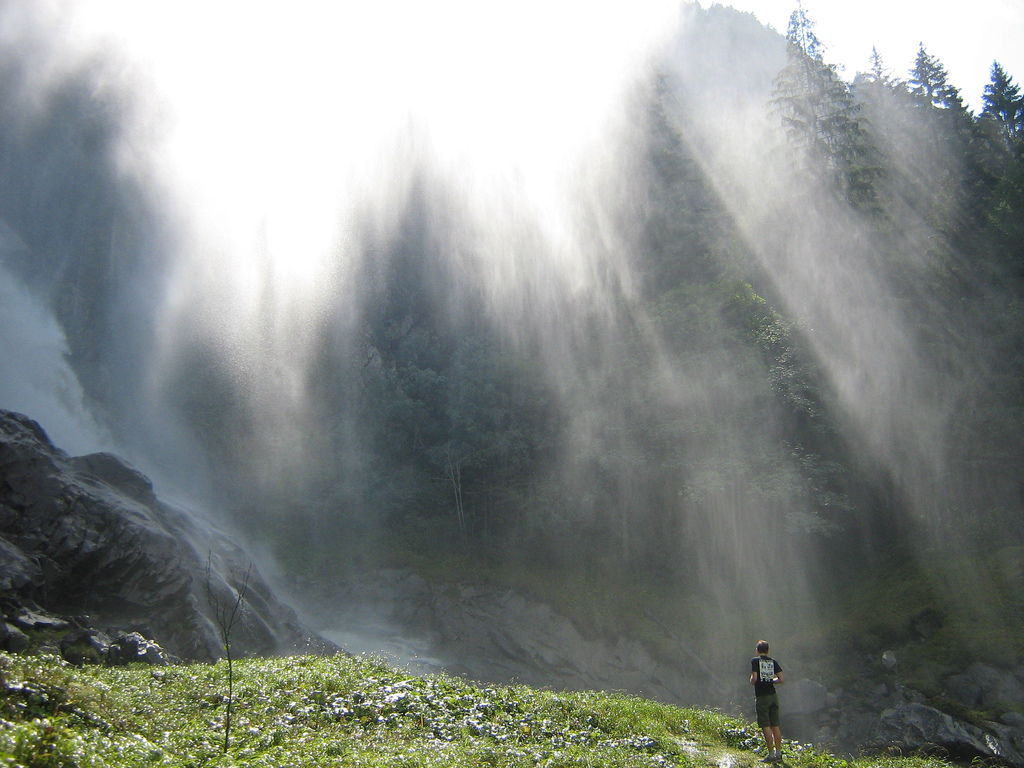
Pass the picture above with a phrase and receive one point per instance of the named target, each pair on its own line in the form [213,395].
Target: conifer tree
[878,73]
[1004,106]
[929,83]
[955,163]
[1002,122]
[930,87]
[821,117]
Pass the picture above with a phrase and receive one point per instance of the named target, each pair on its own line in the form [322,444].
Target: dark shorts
[767,708]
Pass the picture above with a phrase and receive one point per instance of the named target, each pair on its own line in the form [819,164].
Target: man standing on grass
[765,673]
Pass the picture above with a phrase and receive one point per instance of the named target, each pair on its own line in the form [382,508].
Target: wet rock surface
[919,728]
[87,537]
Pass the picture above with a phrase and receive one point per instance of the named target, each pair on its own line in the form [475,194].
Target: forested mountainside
[780,352]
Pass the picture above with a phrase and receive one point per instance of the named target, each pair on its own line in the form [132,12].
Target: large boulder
[980,686]
[804,697]
[804,704]
[11,638]
[912,728]
[16,570]
[88,536]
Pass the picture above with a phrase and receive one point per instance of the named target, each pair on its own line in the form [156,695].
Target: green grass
[345,711]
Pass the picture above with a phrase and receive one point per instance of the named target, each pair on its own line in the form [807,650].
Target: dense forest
[785,342]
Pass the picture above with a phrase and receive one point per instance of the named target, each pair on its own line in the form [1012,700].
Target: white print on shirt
[767,667]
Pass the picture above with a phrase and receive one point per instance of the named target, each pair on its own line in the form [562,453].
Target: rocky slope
[86,538]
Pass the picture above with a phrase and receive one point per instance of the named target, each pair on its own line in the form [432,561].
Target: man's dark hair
[762,646]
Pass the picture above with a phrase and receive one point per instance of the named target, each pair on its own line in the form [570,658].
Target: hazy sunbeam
[276,121]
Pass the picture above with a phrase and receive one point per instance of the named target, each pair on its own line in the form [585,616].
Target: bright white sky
[269,105]
[966,37]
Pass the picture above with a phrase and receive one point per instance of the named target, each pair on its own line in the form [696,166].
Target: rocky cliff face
[86,537]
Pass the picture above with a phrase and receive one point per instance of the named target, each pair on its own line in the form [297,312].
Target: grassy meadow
[351,711]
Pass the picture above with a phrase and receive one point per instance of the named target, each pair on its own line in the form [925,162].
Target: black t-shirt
[766,668]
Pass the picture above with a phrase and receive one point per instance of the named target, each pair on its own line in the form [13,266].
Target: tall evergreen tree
[1002,123]
[879,73]
[930,86]
[821,118]
[959,176]
[1004,105]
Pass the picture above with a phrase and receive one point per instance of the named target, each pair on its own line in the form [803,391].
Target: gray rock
[1014,719]
[85,646]
[15,640]
[35,621]
[115,472]
[855,728]
[964,688]
[1010,737]
[803,697]
[919,728]
[88,536]
[804,703]
[133,648]
[982,685]
[1009,690]
[17,571]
